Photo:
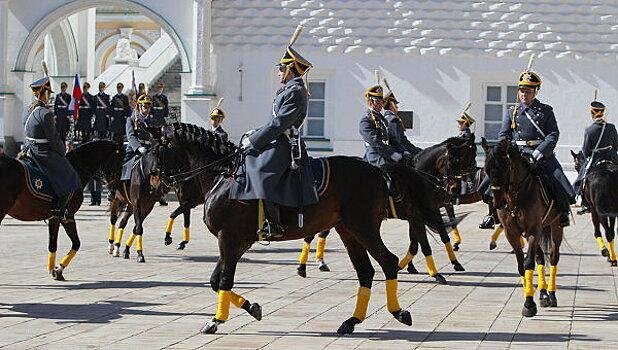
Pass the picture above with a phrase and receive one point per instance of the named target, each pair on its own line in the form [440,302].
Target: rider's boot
[272,224]
[59,209]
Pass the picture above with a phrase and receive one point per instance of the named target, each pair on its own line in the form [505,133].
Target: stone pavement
[119,304]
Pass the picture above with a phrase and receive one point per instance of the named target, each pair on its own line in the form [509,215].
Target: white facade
[437,56]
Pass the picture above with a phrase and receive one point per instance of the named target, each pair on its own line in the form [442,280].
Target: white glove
[537,155]
[246,144]
[396,156]
[142,150]
[250,132]
[407,154]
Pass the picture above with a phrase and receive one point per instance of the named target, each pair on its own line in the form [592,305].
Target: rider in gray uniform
[374,130]
[396,129]
[216,118]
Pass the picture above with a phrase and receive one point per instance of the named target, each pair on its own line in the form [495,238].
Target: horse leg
[426,249]
[301,270]
[556,238]
[450,210]
[530,308]
[610,234]
[113,218]
[186,231]
[142,209]
[412,251]
[494,237]
[597,232]
[170,224]
[253,309]
[514,240]
[319,251]
[450,251]
[52,246]
[121,226]
[71,229]
[542,285]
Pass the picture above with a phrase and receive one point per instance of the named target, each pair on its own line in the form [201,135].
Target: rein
[188,175]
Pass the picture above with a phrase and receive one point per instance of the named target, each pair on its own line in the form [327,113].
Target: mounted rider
[396,129]
[464,122]
[600,144]
[277,167]
[216,118]
[138,136]
[44,145]
[533,127]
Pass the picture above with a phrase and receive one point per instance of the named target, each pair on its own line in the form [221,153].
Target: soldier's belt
[144,142]
[101,108]
[118,109]
[37,140]
[528,142]
[158,108]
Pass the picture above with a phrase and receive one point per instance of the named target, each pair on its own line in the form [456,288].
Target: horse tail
[419,191]
[603,190]
[545,242]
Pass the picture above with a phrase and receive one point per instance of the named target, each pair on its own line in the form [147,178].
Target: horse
[301,270]
[600,190]
[16,200]
[523,210]
[444,165]
[189,196]
[356,216]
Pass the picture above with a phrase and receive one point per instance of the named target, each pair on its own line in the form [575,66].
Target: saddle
[38,183]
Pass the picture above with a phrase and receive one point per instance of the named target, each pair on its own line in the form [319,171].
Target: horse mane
[86,148]
[195,135]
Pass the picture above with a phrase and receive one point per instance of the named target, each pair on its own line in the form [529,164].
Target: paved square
[119,304]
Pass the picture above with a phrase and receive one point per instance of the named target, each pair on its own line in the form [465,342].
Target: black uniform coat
[102,112]
[466,133]
[86,112]
[160,105]
[374,131]
[61,110]
[49,155]
[138,136]
[219,131]
[608,145]
[524,130]
[397,133]
[120,111]
[266,173]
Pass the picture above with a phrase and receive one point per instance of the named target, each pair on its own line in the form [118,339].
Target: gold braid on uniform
[375,120]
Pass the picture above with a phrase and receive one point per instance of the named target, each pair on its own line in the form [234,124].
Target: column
[200,58]
[4,94]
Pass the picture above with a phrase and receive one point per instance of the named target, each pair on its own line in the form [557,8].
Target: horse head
[99,159]
[579,159]
[499,166]
[459,161]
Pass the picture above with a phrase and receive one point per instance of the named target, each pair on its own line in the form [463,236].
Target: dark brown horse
[189,196]
[356,215]
[524,210]
[601,191]
[89,159]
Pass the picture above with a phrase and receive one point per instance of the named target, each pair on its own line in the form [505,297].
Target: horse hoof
[403,316]
[553,302]
[168,238]
[182,245]
[412,270]
[301,270]
[457,266]
[140,258]
[347,327]
[322,266]
[440,279]
[544,298]
[529,309]
[211,326]
[255,310]
[110,248]
[57,274]
[456,247]
[614,263]
[127,253]
[116,252]
[604,252]
[493,245]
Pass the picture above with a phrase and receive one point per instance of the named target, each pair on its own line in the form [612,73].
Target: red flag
[77,96]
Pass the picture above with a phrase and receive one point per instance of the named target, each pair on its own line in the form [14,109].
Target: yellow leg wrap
[223,310]
[112,232]
[600,242]
[540,270]
[553,270]
[131,239]
[450,251]
[392,302]
[319,250]
[431,265]
[237,300]
[140,243]
[523,281]
[67,259]
[170,224]
[497,233]
[119,236]
[51,261]
[529,287]
[612,252]
[406,260]
[522,241]
[186,234]
[456,235]
[304,253]
[362,302]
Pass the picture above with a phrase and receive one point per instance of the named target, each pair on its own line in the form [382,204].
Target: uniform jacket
[50,155]
[120,111]
[61,110]
[466,133]
[396,130]
[266,173]
[138,136]
[160,105]
[102,112]
[86,112]
[607,145]
[219,131]
[374,131]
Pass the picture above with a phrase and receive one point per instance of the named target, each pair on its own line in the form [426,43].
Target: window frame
[305,126]
[504,102]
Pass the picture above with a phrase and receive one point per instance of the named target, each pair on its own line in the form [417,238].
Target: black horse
[189,196]
[601,191]
[89,160]
[356,215]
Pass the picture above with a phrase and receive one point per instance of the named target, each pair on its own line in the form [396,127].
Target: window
[497,100]
[314,124]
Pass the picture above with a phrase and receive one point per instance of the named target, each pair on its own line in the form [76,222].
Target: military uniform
[374,131]
[120,111]
[86,113]
[102,112]
[396,129]
[218,113]
[160,105]
[219,131]
[61,110]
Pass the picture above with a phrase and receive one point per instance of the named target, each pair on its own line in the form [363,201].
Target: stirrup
[61,214]
[271,229]
[584,210]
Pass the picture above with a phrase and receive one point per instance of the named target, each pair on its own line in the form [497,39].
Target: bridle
[510,189]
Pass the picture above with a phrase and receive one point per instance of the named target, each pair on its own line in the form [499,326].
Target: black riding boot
[491,218]
[272,224]
[59,210]
[585,207]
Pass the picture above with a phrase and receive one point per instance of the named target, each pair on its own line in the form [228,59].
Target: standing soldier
[86,112]
[533,127]
[277,167]
[216,118]
[101,120]
[160,105]
[600,143]
[61,110]
[396,129]
[120,111]
[43,144]
[141,91]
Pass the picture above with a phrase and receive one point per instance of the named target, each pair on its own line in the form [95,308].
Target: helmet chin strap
[283,78]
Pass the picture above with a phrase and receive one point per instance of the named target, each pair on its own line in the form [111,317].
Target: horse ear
[573,154]
[484,143]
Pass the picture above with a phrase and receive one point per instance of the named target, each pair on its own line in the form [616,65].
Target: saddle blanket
[321,174]
[38,184]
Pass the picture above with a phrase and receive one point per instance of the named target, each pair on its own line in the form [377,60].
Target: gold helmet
[390,98]
[529,79]
[41,85]
[217,112]
[292,59]
[597,109]
[144,100]
[466,119]
[374,93]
